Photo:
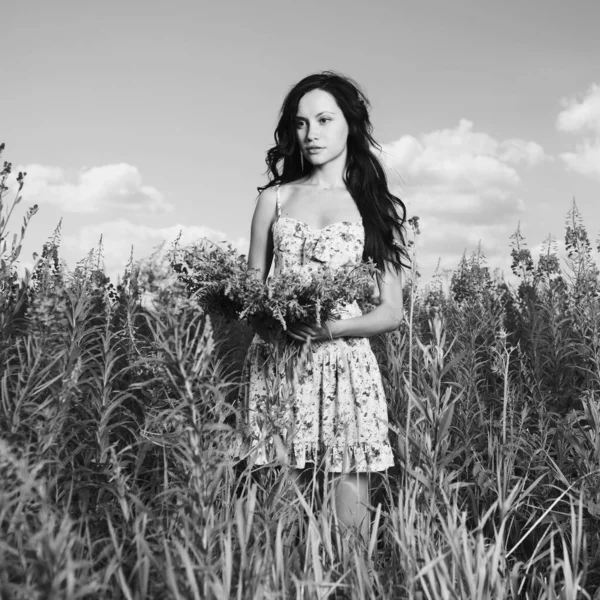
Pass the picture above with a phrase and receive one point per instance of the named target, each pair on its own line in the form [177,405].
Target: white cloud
[464,185]
[582,117]
[520,152]
[460,159]
[91,190]
[120,235]
[585,159]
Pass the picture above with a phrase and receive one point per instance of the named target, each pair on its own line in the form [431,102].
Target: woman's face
[321,128]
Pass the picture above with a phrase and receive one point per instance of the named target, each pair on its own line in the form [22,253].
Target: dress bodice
[298,245]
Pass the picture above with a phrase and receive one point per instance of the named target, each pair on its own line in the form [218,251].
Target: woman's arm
[260,254]
[387,316]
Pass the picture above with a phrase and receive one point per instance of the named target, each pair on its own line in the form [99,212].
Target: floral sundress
[332,413]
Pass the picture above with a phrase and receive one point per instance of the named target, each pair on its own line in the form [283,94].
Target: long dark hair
[383,214]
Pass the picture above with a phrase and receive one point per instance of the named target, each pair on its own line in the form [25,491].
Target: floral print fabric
[325,404]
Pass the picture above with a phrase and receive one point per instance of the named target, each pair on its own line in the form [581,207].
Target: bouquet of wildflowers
[216,277]
[310,296]
[220,281]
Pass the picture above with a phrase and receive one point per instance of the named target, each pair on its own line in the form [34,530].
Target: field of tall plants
[119,411]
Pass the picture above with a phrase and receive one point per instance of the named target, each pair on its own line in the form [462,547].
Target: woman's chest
[338,245]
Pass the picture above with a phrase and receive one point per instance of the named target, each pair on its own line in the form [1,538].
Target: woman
[327,206]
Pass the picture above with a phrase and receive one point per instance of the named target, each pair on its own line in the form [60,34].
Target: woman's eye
[324,120]
[299,124]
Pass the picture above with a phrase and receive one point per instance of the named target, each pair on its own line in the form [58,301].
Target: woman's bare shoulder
[266,204]
[268,197]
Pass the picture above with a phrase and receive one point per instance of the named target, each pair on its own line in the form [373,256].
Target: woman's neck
[327,177]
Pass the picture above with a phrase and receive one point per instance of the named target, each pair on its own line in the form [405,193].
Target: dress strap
[278,202]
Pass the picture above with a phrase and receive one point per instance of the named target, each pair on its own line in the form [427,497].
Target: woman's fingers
[301,332]
[298,335]
[300,339]
[296,329]
[306,333]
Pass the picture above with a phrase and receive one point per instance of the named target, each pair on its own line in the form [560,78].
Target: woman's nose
[312,133]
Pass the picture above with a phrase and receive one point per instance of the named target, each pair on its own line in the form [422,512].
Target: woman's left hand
[305,333]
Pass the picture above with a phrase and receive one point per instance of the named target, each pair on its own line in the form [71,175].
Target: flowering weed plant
[116,426]
[216,276]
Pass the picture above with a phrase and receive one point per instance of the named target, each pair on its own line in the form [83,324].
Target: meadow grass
[118,417]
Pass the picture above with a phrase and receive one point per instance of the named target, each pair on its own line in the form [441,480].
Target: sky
[137,120]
